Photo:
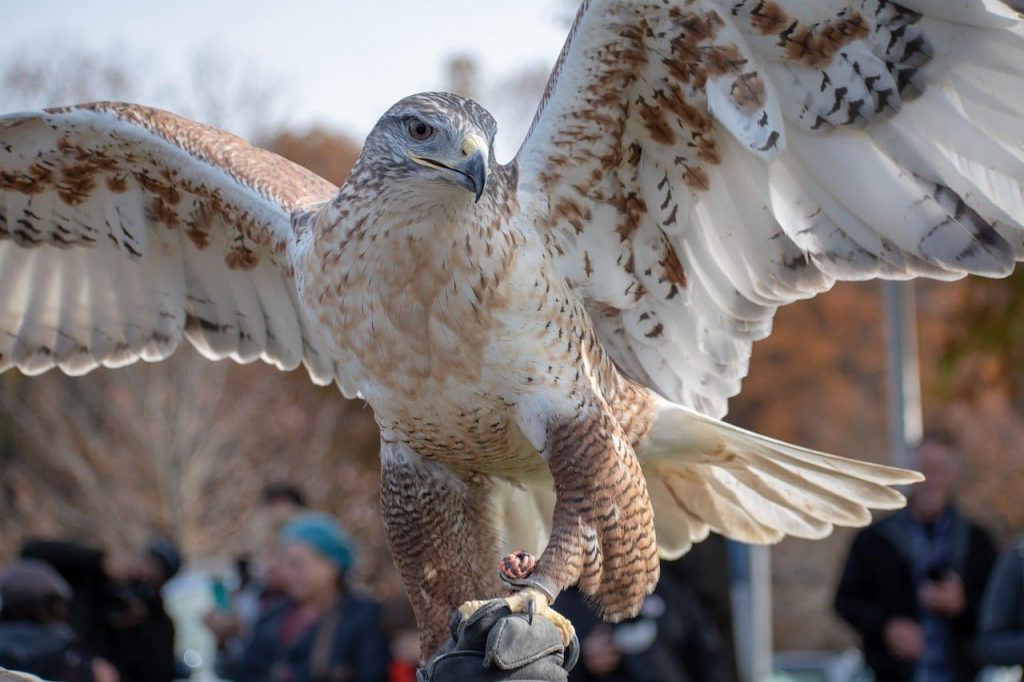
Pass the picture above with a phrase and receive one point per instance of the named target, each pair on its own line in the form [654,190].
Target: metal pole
[751,596]
[761,612]
[904,381]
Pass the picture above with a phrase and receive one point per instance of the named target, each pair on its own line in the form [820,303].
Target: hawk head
[434,142]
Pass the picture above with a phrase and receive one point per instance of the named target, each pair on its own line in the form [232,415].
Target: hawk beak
[469,170]
[473,165]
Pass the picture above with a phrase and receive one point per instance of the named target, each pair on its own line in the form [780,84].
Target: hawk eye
[419,130]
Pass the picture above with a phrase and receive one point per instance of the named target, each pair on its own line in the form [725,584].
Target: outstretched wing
[698,163]
[124,227]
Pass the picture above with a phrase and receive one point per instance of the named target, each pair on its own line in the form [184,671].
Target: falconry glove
[493,645]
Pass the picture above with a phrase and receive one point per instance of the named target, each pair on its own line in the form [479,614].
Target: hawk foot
[533,602]
[517,566]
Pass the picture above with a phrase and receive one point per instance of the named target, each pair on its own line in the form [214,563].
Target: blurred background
[182,449]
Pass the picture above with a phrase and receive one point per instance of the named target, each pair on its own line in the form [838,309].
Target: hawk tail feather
[705,475]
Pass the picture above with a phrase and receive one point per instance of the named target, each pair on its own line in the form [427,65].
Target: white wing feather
[656,126]
[699,164]
[123,228]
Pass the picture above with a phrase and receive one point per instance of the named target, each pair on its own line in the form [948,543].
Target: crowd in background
[72,612]
[916,587]
[298,617]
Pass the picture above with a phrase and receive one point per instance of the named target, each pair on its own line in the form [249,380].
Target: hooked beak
[469,170]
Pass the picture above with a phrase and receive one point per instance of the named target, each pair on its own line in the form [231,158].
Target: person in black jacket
[913,582]
[324,630]
[116,609]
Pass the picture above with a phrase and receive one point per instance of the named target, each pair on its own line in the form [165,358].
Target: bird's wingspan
[698,163]
[124,227]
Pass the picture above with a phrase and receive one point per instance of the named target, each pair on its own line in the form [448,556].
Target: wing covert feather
[698,163]
[124,228]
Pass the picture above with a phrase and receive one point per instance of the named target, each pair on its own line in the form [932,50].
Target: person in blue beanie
[324,630]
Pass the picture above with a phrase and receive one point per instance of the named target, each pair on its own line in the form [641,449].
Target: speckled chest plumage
[444,318]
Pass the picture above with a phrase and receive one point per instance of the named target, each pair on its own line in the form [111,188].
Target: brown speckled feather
[148,206]
[691,162]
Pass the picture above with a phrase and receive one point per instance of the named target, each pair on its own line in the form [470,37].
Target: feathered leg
[603,527]
[441,530]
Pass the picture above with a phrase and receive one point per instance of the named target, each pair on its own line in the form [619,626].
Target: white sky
[341,63]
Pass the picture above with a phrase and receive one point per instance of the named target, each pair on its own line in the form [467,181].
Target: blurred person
[232,619]
[913,582]
[1000,640]
[34,634]
[324,630]
[116,608]
[281,501]
[673,639]
[403,640]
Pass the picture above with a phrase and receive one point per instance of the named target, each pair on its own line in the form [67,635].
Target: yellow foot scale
[527,596]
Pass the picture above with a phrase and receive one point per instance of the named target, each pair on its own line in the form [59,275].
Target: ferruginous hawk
[548,345]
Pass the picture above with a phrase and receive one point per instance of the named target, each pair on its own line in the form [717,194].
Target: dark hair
[283,492]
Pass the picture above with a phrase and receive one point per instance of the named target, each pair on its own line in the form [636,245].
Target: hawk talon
[531,601]
[515,586]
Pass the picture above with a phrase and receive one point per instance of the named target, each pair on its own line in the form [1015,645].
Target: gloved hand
[494,644]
